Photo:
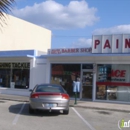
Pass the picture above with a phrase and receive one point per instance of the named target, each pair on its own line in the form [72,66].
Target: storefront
[16,71]
[100,73]
[113,82]
[103,70]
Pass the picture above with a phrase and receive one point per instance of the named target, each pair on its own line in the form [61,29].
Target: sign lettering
[119,43]
[117,73]
[107,44]
[70,50]
[15,65]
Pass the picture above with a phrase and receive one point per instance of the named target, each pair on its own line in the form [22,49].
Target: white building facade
[100,73]
[20,43]
[103,70]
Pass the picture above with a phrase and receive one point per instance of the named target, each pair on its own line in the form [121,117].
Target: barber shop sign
[119,43]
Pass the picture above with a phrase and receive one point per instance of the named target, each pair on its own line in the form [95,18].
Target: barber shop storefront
[14,75]
[102,73]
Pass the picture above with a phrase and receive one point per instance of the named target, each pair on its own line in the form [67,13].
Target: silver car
[49,97]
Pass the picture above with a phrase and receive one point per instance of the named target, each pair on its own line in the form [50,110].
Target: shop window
[65,74]
[14,75]
[5,78]
[21,78]
[113,82]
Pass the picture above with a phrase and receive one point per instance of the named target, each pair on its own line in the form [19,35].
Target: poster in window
[112,92]
[101,92]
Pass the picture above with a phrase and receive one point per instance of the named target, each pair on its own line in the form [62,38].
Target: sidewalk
[83,104]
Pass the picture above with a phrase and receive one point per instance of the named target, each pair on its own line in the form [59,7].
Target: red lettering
[127,43]
[123,73]
[69,51]
[77,50]
[117,73]
[63,51]
[82,50]
[72,50]
[107,44]
[57,51]
[112,73]
[97,42]
[117,43]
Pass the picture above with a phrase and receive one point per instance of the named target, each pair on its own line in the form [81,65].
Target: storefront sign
[15,65]
[111,43]
[5,65]
[70,50]
[117,73]
[21,65]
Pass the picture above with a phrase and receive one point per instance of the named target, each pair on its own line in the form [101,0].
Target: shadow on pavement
[17,108]
[104,112]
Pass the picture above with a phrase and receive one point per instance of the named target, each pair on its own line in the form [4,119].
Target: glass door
[87,84]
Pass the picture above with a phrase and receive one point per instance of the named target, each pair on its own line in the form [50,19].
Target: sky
[74,22]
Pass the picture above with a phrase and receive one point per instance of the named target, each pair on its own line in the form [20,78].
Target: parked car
[49,97]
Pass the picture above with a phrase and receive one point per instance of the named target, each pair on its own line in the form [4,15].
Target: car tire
[31,111]
[66,112]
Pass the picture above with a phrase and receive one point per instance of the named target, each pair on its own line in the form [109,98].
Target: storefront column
[48,72]
[94,87]
[32,73]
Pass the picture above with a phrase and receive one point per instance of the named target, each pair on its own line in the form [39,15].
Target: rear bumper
[41,105]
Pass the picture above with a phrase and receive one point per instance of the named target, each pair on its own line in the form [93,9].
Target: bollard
[75,98]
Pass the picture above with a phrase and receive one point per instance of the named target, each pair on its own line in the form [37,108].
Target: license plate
[50,105]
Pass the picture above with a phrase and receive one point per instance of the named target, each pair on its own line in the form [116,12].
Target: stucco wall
[21,35]
[37,72]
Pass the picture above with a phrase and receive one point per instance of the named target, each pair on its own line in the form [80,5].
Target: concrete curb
[108,109]
[18,100]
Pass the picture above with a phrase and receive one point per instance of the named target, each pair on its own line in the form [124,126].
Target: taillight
[34,95]
[65,96]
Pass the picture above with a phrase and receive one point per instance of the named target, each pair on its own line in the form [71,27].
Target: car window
[49,88]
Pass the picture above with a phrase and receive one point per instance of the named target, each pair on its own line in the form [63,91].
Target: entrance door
[87,84]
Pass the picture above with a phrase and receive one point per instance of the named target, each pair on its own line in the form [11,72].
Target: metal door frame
[86,70]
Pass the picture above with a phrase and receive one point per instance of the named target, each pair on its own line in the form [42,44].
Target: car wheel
[66,112]
[31,111]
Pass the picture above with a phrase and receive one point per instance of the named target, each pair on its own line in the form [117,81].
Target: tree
[5,7]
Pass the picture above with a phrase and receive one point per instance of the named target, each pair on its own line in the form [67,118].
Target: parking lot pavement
[14,115]
[80,103]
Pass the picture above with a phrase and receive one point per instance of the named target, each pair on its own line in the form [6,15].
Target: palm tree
[5,7]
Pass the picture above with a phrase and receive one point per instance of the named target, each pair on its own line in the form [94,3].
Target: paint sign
[70,51]
[119,43]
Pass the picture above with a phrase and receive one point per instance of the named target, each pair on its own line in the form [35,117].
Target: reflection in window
[21,78]
[65,74]
[113,82]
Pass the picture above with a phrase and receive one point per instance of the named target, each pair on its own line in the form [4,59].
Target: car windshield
[49,88]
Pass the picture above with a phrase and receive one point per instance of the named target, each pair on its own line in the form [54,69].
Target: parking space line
[18,115]
[91,128]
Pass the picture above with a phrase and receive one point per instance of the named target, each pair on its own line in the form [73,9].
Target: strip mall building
[102,70]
